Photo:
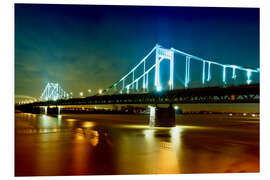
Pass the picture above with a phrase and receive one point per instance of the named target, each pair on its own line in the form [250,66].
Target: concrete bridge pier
[162,117]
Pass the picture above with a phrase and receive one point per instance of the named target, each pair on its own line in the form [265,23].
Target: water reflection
[59,120]
[176,137]
[149,134]
[68,145]
[32,124]
[88,124]
[165,142]
[71,120]
[87,134]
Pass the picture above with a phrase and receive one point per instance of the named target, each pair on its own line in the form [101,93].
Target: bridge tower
[161,54]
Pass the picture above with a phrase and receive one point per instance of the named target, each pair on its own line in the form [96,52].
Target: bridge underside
[234,94]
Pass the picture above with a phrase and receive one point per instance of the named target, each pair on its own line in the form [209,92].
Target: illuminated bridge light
[100,91]
[224,74]
[157,69]
[144,74]
[171,69]
[233,74]
[133,80]
[159,88]
[203,75]
[147,81]
[127,88]
[81,94]
[187,71]
[209,71]
[248,76]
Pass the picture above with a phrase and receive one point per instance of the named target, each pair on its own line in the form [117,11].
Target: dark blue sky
[90,47]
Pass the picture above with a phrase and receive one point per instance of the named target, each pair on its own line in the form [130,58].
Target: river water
[99,144]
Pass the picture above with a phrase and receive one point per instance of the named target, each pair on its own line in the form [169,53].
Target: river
[96,144]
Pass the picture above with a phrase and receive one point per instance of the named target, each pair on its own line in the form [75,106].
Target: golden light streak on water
[88,124]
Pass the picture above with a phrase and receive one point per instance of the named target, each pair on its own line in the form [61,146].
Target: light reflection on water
[98,148]
[175,137]
[88,135]
[149,134]
[88,124]
[165,142]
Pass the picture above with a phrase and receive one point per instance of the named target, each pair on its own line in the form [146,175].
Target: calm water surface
[125,144]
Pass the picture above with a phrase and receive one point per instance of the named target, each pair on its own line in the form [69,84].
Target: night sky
[90,47]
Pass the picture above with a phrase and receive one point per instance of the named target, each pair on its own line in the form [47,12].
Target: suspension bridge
[130,82]
[143,84]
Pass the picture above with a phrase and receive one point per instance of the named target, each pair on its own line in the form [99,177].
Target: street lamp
[89,91]
[81,94]
[159,88]
[100,91]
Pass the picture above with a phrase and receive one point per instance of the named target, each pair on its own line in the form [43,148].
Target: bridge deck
[233,94]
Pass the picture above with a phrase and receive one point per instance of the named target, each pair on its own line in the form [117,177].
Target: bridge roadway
[232,94]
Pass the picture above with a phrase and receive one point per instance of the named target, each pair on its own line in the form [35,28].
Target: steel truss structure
[53,91]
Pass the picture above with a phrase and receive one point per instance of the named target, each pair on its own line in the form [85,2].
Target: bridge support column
[157,83]
[162,117]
